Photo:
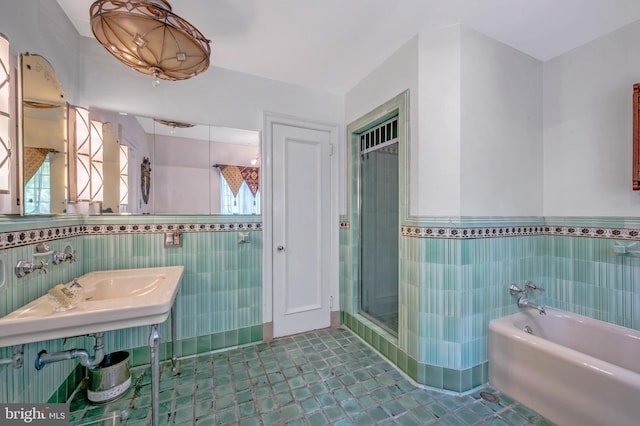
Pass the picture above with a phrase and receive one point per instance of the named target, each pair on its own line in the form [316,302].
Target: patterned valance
[236,175]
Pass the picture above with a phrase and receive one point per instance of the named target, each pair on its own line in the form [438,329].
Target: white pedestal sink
[111,300]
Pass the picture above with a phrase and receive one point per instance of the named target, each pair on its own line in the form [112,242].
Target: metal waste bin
[110,379]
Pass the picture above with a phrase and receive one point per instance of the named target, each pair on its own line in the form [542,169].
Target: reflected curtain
[233,176]
[236,175]
[251,175]
[33,159]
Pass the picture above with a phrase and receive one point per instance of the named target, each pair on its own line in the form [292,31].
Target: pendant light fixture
[148,37]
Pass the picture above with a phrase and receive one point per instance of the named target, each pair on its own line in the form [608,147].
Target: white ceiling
[333,44]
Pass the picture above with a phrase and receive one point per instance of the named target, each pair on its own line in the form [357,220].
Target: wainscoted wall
[219,303]
[587,277]
[455,278]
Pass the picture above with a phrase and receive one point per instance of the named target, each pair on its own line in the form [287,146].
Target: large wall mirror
[94,161]
[187,168]
[44,138]
[201,169]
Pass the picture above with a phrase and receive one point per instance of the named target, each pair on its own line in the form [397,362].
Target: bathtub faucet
[523,302]
[529,286]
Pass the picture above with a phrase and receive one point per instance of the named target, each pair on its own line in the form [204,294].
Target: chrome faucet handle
[514,290]
[23,267]
[531,286]
[44,267]
[58,257]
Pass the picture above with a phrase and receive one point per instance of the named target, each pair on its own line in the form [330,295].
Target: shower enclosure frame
[396,107]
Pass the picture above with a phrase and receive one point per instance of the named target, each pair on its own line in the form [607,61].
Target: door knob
[280,248]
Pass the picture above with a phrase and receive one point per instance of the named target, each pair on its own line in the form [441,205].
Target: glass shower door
[379,234]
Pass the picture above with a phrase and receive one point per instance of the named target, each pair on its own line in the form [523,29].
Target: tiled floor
[322,377]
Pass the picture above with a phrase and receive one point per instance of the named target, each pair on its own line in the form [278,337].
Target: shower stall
[379,224]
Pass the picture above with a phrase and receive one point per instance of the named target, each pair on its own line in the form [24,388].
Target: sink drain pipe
[16,359]
[44,358]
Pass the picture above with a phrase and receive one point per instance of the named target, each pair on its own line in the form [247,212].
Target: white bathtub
[573,370]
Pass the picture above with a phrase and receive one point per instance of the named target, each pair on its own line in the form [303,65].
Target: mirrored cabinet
[44,138]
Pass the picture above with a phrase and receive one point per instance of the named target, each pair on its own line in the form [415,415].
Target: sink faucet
[24,267]
[523,302]
[66,256]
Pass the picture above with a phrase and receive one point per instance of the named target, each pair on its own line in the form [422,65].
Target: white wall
[395,75]
[91,77]
[588,127]
[40,26]
[501,129]
[476,122]
[180,177]
[436,189]
[217,97]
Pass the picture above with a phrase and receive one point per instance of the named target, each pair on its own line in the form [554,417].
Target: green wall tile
[451,379]
[433,376]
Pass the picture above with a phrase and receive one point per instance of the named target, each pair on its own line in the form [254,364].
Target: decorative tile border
[594,232]
[41,235]
[34,236]
[517,231]
[467,233]
[629,234]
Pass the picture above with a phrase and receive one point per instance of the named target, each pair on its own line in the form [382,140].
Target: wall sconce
[87,157]
[5,116]
[97,162]
[148,37]
[124,176]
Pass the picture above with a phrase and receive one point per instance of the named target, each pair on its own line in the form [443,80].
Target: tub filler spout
[523,302]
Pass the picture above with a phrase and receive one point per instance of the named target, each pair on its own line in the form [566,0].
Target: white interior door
[301,229]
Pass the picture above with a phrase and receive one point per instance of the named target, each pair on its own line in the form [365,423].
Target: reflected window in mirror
[245,202]
[37,190]
[239,188]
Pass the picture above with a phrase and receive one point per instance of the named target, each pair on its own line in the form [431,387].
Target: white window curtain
[244,203]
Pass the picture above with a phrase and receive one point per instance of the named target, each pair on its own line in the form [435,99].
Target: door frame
[333,286]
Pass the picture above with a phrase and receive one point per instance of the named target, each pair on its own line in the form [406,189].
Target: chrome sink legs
[154,344]
[154,340]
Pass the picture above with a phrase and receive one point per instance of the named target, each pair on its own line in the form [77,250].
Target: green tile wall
[450,288]
[219,303]
[26,384]
[589,279]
